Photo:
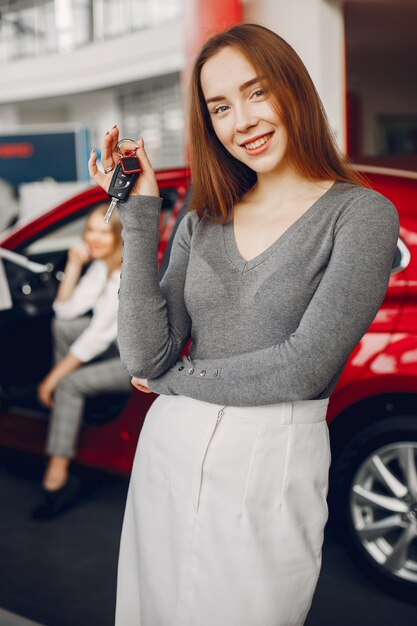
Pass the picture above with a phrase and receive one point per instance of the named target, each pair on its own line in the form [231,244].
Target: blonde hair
[114,223]
[116,227]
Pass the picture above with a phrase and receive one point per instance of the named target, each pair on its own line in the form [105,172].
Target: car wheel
[373,499]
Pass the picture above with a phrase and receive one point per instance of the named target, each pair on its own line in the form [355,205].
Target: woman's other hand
[141,384]
[145,184]
[79,254]
[63,368]
[45,390]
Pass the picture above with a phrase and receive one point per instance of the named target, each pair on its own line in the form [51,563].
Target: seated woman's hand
[45,390]
[145,184]
[141,384]
[79,254]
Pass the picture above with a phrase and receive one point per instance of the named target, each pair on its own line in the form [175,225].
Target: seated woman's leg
[69,400]
[65,423]
[65,332]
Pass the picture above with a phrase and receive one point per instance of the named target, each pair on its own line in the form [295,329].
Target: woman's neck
[113,262]
[283,189]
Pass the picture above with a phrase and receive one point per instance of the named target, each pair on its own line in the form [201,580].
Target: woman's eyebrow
[241,88]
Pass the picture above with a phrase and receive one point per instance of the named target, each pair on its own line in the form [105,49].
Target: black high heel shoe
[55,502]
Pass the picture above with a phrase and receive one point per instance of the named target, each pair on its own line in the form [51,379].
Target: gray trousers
[103,375]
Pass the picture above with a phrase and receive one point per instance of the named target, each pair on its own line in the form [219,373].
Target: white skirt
[225,515]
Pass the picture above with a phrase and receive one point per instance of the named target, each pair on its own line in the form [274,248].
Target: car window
[61,238]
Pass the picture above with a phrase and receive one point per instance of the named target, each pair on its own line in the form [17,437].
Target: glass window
[63,236]
[26,32]
[139,14]
[60,239]
[50,26]
[153,110]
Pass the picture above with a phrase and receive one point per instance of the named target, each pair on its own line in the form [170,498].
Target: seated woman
[86,353]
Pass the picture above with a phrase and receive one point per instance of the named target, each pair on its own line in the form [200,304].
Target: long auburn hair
[219,179]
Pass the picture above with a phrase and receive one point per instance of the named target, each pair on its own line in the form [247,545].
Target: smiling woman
[264,279]
[274,88]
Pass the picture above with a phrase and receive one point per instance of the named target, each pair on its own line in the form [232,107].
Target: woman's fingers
[107,153]
[146,184]
[142,156]
[95,173]
[44,396]
[114,140]
[139,383]
[150,184]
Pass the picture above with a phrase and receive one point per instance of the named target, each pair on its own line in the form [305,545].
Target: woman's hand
[45,391]
[145,184]
[63,368]
[79,254]
[141,384]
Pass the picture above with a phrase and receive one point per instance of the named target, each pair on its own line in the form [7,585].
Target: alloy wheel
[383,507]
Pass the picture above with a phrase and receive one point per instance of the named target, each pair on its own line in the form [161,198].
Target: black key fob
[130,164]
[121,183]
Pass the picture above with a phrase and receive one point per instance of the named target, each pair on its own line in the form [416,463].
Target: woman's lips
[259,150]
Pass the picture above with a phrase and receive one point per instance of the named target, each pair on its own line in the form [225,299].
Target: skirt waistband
[293,412]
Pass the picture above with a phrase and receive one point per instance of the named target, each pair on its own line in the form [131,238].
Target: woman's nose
[244,119]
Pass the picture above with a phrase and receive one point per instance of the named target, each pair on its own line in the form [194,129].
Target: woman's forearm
[64,367]
[153,323]
[72,274]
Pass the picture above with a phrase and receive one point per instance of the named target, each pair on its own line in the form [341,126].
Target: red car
[372,412]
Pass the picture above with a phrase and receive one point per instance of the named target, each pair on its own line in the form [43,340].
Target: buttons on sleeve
[208,374]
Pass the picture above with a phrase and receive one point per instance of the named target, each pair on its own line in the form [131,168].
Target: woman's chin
[98,255]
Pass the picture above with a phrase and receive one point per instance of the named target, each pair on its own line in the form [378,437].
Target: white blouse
[98,292]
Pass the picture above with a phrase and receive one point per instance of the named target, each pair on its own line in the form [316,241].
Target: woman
[87,360]
[275,274]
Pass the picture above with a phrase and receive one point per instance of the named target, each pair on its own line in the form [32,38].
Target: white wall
[314,28]
[97,111]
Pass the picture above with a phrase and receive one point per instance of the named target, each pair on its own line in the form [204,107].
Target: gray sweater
[274,329]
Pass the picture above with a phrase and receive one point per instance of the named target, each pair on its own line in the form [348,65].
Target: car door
[25,329]
[25,337]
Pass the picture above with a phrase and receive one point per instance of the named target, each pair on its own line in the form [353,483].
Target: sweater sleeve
[342,308]
[153,322]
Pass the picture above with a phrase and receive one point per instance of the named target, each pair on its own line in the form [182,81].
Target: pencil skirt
[225,515]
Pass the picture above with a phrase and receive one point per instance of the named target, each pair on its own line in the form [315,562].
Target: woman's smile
[258,146]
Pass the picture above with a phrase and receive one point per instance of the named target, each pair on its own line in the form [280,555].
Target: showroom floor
[63,572]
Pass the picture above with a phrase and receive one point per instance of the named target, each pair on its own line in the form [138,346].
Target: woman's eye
[259,91]
[219,109]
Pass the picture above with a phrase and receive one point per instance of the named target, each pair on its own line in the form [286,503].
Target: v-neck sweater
[277,328]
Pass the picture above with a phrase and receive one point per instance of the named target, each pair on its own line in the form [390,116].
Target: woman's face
[242,112]
[99,237]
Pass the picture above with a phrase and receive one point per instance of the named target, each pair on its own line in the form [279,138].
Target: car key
[126,172]
[119,189]
[130,162]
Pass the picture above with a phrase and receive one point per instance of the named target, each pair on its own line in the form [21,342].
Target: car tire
[370,490]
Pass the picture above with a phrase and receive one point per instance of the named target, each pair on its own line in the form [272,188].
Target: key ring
[130,149]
